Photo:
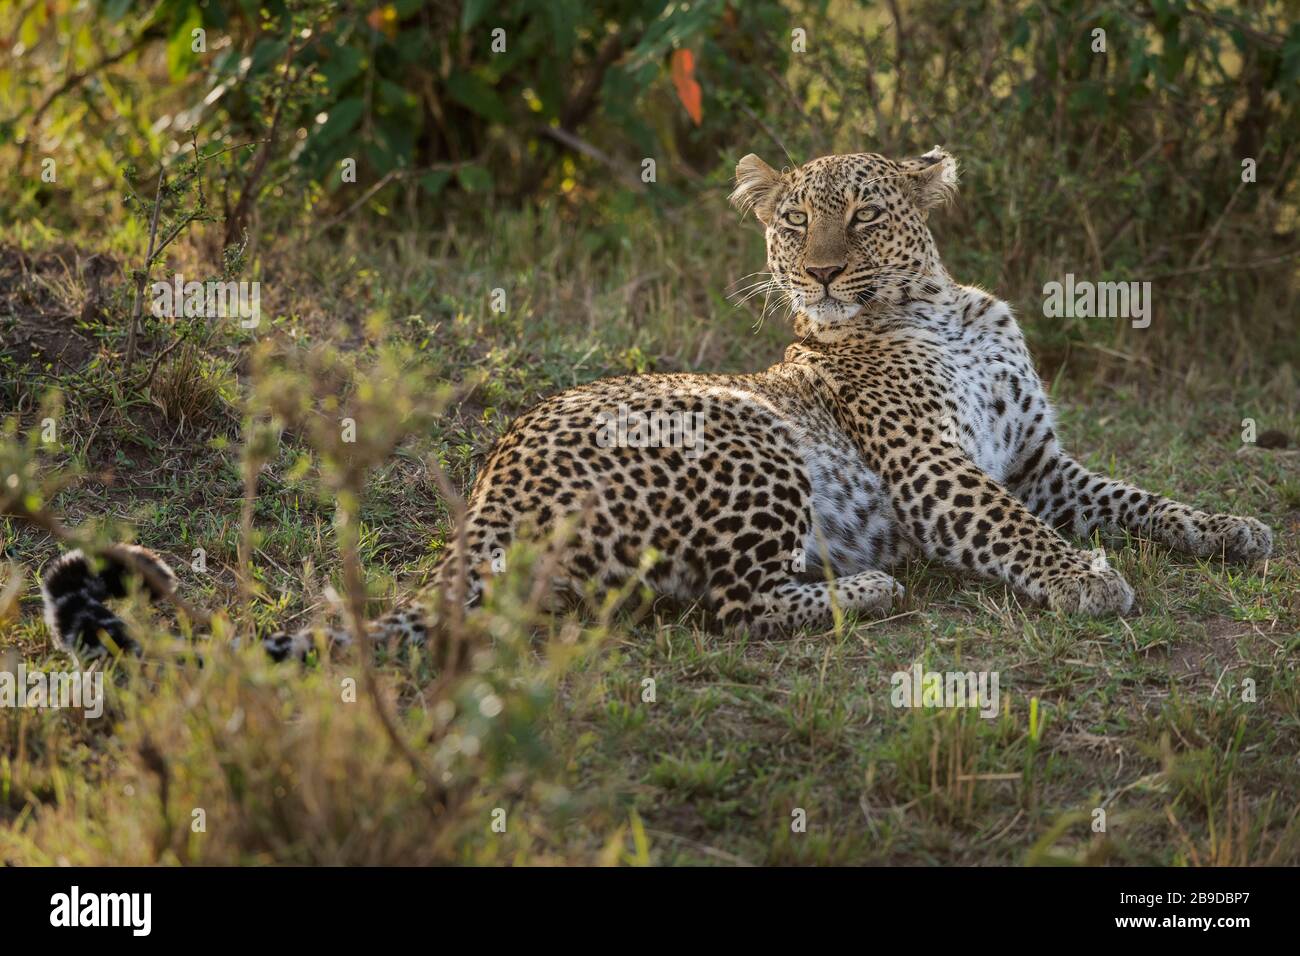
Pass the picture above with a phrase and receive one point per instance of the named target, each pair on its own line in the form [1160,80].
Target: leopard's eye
[867,215]
[796,218]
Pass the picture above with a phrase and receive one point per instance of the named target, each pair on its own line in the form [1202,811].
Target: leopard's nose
[824,274]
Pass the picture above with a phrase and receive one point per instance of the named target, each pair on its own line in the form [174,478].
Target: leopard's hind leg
[796,604]
[1077,501]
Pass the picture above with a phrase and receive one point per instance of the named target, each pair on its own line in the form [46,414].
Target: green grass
[1141,717]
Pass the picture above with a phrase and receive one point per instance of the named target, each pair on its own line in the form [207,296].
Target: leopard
[906,420]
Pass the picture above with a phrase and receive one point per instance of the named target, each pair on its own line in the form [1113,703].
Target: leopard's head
[847,235]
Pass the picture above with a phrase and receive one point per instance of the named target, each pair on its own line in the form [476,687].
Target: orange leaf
[384,19]
[688,91]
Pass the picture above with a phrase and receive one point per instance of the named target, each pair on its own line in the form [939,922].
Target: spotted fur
[907,419]
[75,591]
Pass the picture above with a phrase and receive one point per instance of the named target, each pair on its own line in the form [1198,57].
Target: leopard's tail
[75,590]
[412,623]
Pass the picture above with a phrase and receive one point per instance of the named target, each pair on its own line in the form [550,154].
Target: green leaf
[432,183]
[342,66]
[265,53]
[180,55]
[564,16]
[30,31]
[1020,36]
[342,118]
[474,179]
[474,94]
[396,138]
[396,97]
[472,13]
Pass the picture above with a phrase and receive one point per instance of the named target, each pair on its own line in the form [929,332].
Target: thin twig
[1230,266]
[387,178]
[1218,224]
[157,359]
[142,276]
[354,586]
[74,80]
[580,145]
[236,221]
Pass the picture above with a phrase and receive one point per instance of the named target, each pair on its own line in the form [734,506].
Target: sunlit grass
[1143,717]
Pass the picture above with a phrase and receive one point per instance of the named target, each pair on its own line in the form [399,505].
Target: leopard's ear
[757,188]
[932,177]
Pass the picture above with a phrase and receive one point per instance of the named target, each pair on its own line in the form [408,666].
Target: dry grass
[1141,717]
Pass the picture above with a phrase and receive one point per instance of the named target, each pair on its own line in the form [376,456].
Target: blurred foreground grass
[550,729]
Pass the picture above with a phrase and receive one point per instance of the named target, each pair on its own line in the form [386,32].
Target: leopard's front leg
[956,513]
[1077,501]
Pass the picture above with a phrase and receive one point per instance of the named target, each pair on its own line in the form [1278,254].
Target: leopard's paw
[1096,591]
[872,593]
[1236,538]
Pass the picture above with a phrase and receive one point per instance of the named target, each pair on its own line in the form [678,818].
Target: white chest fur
[994,395]
[993,399]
